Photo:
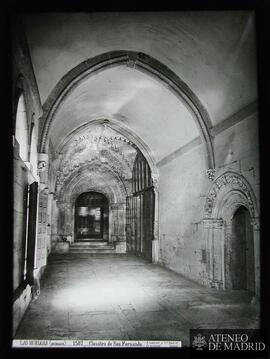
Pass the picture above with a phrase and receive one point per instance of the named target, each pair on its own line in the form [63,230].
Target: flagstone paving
[125,297]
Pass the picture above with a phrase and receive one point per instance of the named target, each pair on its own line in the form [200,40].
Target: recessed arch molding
[225,185]
[139,61]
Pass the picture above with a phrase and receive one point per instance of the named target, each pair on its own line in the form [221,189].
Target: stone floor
[125,297]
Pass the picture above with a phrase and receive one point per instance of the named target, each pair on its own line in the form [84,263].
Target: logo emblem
[199,342]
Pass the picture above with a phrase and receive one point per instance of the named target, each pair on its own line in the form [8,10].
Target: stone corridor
[126,297]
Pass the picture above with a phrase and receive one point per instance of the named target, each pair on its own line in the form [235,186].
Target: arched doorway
[232,230]
[91,217]
[242,251]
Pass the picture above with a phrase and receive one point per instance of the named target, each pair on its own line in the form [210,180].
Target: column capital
[210,173]
[213,222]
[43,159]
[255,222]
[61,204]
[114,206]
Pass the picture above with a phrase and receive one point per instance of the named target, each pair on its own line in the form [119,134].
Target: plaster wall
[183,189]
[237,148]
[24,173]
[183,184]
[19,220]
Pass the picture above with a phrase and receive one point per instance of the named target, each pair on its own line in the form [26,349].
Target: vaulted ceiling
[212,52]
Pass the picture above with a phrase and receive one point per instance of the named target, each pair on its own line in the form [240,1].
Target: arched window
[21,132]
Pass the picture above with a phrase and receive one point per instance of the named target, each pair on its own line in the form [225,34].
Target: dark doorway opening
[242,251]
[91,217]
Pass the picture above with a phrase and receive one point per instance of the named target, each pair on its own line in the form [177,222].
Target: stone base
[61,247]
[255,301]
[19,307]
[155,251]
[211,283]
[120,247]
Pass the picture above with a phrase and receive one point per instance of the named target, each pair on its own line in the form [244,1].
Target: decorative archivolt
[222,186]
[90,168]
[117,145]
[94,163]
[87,187]
[111,140]
[89,177]
[97,145]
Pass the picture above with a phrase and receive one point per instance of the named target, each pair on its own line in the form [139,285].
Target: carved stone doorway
[91,217]
[242,251]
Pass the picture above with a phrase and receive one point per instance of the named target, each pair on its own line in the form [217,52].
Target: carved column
[49,221]
[54,223]
[117,226]
[214,236]
[228,254]
[257,265]
[117,222]
[43,160]
[69,222]
[113,230]
[65,220]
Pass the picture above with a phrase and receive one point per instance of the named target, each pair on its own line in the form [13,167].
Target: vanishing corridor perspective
[136,174]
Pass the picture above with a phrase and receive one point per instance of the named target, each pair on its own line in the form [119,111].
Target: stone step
[91,246]
[92,250]
[88,244]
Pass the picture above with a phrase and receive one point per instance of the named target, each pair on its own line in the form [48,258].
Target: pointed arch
[141,62]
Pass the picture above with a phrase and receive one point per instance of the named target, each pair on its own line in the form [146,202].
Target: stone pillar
[155,240]
[118,221]
[65,220]
[117,225]
[113,224]
[69,222]
[214,237]
[257,265]
[54,223]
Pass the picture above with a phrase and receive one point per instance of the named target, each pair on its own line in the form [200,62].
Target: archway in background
[91,217]
[242,251]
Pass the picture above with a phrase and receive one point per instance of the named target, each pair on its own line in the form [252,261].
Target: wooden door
[148,222]
[41,250]
[240,262]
